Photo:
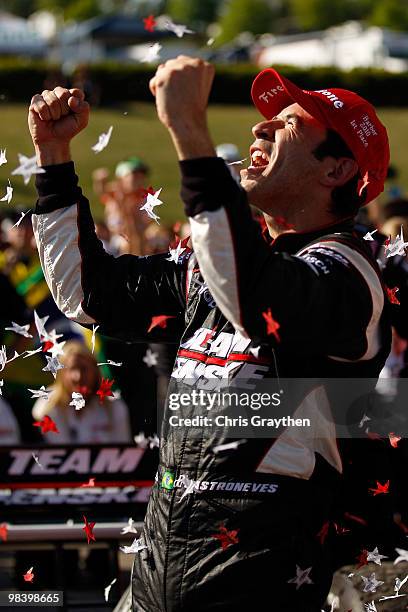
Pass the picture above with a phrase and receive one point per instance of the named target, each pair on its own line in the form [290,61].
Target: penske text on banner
[47,479]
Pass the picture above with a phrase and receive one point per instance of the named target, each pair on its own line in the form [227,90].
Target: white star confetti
[111,363]
[23,214]
[30,353]
[141,440]
[369,235]
[107,589]
[57,348]
[228,446]
[363,420]
[370,607]
[375,556]
[3,357]
[77,400]
[3,159]
[151,202]
[154,441]
[302,577]
[103,141]
[40,393]
[28,167]
[371,583]
[135,547]
[94,328]
[39,324]
[397,246]
[238,162]
[36,459]
[129,528]
[19,329]
[150,358]
[152,54]
[9,194]
[403,555]
[178,28]
[53,365]
[175,253]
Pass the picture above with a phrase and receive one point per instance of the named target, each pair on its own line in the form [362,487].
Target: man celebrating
[234,526]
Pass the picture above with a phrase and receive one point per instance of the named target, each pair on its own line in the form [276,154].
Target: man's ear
[338,171]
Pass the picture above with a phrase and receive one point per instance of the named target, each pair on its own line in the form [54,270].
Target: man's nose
[265,130]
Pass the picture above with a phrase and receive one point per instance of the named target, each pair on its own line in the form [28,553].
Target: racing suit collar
[293,241]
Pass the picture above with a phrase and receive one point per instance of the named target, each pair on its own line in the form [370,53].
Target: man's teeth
[259,159]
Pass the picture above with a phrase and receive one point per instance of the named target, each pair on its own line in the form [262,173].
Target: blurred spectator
[9,429]
[97,422]
[99,180]
[230,153]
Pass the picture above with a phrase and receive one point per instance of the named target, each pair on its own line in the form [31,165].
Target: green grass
[140,133]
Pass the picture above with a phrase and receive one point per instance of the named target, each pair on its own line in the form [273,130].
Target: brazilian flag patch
[167,480]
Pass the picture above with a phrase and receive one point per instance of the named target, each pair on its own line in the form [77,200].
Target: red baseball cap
[352,117]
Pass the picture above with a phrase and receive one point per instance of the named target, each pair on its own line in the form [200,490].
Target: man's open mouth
[259,160]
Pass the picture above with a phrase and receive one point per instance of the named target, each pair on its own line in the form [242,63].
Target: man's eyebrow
[288,116]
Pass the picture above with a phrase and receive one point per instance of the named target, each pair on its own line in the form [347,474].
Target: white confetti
[103,141]
[19,329]
[151,202]
[23,214]
[3,159]
[152,54]
[302,577]
[28,167]
[150,358]
[111,363]
[175,253]
[129,528]
[9,194]
[53,365]
[178,28]
[369,235]
[135,547]
[371,583]
[40,393]
[77,400]
[94,328]
[108,588]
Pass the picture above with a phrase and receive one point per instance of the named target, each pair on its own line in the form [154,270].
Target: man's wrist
[191,141]
[51,155]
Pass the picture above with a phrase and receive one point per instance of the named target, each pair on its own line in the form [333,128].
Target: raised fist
[56,116]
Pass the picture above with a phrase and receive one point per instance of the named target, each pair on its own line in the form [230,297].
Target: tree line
[232,16]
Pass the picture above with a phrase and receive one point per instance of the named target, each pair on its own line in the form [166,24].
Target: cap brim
[271,104]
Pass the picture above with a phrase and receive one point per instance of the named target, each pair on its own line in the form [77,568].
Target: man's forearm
[52,155]
[191,142]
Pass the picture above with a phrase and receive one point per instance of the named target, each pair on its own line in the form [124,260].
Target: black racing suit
[250,522]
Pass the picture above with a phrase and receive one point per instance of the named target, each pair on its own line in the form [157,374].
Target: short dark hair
[345,199]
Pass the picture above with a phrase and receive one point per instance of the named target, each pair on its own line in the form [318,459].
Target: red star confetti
[90,483]
[105,389]
[47,345]
[357,519]
[159,321]
[380,488]
[225,537]
[47,425]
[29,576]
[362,558]
[322,535]
[144,192]
[272,326]
[89,530]
[392,295]
[3,532]
[149,23]
[394,439]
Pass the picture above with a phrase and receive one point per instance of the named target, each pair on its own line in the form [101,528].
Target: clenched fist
[181,87]
[54,118]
